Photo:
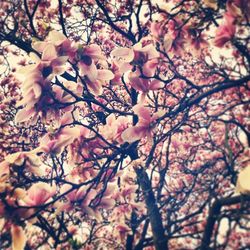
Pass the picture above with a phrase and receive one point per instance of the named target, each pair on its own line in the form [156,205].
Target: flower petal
[243,183]
[18,238]
[133,134]
[49,53]
[105,75]
[124,54]
[24,115]
[156,84]
[142,112]
[149,67]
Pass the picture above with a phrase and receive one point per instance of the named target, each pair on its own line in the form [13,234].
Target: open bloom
[226,31]
[30,158]
[88,58]
[103,76]
[143,128]
[55,143]
[36,88]
[168,34]
[62,44]
[38,194]
[144,85]
[145,56]
[114,128]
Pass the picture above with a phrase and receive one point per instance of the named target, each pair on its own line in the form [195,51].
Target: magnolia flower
[144,85]
[213,4]
[122,230]
[37,82]
[103,76]
[4,169]
[55,143]
[63,45]
[81,195]
[157,30]
[48,66]
[170,36]
[145,126]
[30,158]
[88,57]
[143,56]
[226,31]
[38,194]
[114,128]
[117,74]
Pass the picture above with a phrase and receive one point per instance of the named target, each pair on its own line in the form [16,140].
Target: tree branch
[213,214]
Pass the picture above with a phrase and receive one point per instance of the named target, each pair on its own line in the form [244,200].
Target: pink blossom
[38,194]
[102,76]
[145,126]
[56,143]
[63,45]
[88,57]
[144,85]
[226,31]
[114,128]
[37,81]
[18,237]
[145,56]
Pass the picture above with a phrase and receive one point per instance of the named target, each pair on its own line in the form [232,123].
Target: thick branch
[213,214]
[160,240]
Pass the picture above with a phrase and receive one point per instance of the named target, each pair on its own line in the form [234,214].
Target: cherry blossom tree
[124,124]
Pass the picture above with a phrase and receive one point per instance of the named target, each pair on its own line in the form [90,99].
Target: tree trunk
[160,240]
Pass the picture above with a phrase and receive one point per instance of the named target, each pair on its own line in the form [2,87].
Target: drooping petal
[167,42]
[133,134]
[23,115]
[95,87]
[88,210]
[226,31]
[49,53]
[61,143]
[39,46]
[107,203]
[156,84]
[37,90]
[149,50]
[105,75]
[18,237]
[123,54]
[138,83]
[156,29]
[124,67]
[94,51]
[56,37]
[39,193]
[149,67]
[88,70]
[213,4]
[4,168]
[26,69]
[142,112]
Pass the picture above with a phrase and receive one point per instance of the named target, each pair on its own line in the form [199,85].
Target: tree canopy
[125,124]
